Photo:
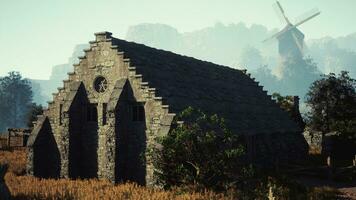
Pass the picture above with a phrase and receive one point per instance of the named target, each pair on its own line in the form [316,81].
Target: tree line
[16,103]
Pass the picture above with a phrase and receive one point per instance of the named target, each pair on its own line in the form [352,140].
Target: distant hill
[235,45]
[241,46]
[220,43]
[43,89]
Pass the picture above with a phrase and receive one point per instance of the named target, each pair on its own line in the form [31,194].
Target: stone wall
[112,146]
[14,137]
[103,59]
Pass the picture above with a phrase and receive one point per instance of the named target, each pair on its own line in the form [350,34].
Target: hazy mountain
[235,45]
[220,43]
[155,35]
[240,46]
[43,89]
[38,90]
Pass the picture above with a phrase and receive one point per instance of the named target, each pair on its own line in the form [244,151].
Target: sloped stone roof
[115,95]
[37,128]
[184,81]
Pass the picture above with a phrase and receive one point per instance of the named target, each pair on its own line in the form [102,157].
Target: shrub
[201,153]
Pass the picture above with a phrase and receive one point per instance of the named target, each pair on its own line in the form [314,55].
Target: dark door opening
[83,137]
[46,157]
[130,163]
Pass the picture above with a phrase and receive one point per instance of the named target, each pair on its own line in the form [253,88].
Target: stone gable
[121,95]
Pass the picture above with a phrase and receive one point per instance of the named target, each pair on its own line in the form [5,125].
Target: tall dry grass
[16,159]
[26,187]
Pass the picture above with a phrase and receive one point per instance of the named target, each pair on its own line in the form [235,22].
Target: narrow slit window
[105,107]
[60,114]
[92,113]
[138,113]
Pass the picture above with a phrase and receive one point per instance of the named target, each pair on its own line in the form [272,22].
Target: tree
[266,78]
[200,152]
[296,75]
[251,58]
[332,100]
[15,98]
[34,111]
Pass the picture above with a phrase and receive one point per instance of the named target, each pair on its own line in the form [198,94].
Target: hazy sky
[37,34]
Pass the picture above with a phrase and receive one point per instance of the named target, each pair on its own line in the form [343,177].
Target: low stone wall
[3,141]
[15,137]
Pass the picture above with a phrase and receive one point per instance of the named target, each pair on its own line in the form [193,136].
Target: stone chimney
[102,36]
[296,113]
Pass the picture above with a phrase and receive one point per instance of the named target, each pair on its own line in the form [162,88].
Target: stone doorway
[46,157]
[83,137]
[130,130]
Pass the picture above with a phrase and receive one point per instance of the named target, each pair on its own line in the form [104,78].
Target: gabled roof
[115,95]
[36,130]
[184,81]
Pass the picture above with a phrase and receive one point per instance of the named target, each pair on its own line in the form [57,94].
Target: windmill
[290,38]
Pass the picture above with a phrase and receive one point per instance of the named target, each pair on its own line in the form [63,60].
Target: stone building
[121,95]
[17,137]
[14,137]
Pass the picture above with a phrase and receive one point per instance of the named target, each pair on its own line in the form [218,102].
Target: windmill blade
[299,45]
[274,36]
[282,11]
[311,14]
[277,10]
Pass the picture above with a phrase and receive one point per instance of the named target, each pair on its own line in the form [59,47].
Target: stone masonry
[121,95]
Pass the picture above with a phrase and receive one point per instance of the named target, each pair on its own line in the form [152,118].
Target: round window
[100,84]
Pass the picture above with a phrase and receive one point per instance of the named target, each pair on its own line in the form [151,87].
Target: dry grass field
[25,187]
[16,160]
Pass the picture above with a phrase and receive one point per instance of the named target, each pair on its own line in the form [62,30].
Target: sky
[38,34]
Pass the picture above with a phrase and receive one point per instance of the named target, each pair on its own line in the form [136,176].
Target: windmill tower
[290,38]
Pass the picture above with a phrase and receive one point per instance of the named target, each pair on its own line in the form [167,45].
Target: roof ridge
[113,39]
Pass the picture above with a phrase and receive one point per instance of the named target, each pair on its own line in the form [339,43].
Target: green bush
[200,153]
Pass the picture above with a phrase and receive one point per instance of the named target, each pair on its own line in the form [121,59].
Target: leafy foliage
[265,76]
[32,116]
[15,98]
[332,100]
[201,152]
[250,58]
[286,102]
[291,77]
[296,75]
